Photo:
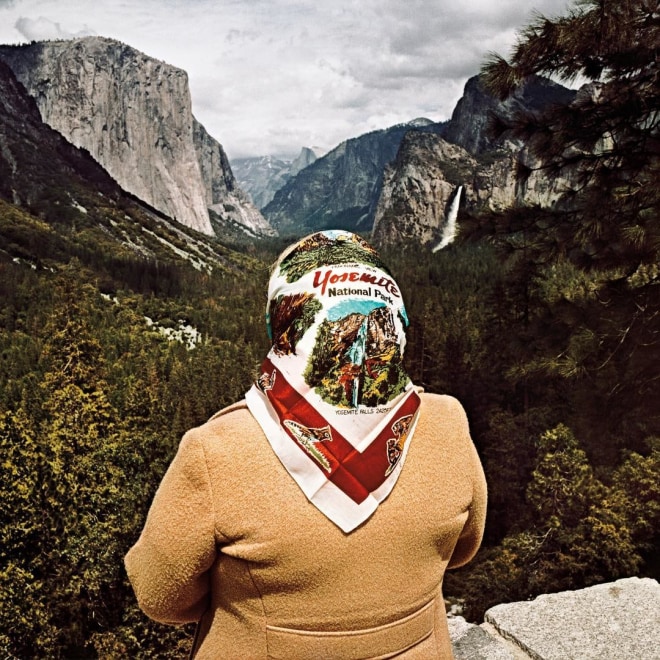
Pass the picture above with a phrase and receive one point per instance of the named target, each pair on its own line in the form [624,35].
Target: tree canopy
[592,261]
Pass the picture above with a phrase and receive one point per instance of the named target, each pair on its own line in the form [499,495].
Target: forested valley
[94,400]
[545,323]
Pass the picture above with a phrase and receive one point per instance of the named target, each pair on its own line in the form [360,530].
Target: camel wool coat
[232,543]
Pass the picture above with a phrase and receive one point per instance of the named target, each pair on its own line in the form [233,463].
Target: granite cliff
[230,208]
[469,125]
[262,176]
[57,202]
[133,114]
[340,189]
[494,174]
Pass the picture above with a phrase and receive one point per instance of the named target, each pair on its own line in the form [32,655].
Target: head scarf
[332,396]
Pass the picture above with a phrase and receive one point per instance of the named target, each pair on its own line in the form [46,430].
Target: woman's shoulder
[229,413]
[444,402]
[234,421]
[443,412]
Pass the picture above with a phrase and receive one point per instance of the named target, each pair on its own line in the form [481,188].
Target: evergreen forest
[544,323]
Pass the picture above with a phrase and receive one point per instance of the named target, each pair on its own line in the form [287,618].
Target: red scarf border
[356,473]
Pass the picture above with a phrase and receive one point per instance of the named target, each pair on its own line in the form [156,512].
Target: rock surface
[471,642]
[62,199]
[417,190]
[133,114]
[614,621]
[222,195]
[419,185]
[339,190]
[470,122]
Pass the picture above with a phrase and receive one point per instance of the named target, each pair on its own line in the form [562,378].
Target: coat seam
[261,600]
[216,532]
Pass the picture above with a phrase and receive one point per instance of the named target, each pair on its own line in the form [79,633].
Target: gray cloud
[41,29]
[271,76]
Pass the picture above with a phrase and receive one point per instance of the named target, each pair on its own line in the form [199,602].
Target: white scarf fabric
[332,396]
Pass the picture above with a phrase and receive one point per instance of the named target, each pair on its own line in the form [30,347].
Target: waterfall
[449,232]
[357,354]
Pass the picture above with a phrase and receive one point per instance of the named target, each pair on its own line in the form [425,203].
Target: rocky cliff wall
[221,192]
[417,189]
[421,182]
[133,114]
[45,176]
[495,173]
[470,123]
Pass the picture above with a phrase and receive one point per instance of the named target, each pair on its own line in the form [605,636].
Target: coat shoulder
[237,415]
[443,406]
[232,434]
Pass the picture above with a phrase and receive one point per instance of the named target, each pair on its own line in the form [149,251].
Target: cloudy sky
[271,76]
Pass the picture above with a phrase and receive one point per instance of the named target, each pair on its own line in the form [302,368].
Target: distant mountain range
[261,177]
[132,114]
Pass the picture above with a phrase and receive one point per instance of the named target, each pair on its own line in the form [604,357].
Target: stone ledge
[614,621]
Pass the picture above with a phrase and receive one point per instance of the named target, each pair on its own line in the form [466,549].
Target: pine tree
[578,533]
[637,481]
[596,253]
[25,625]
[77,478]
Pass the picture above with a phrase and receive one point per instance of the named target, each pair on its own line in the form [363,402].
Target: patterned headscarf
[332,396]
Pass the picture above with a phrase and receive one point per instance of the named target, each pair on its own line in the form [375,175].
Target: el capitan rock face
[57,202]
[133,114]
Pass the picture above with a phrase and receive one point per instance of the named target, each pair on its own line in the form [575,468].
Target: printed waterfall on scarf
[332,396]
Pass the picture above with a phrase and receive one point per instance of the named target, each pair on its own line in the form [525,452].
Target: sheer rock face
[67,192]
[340,188]
[417,190]
[133,114]
[419,185]
[470,122]
[221,192]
